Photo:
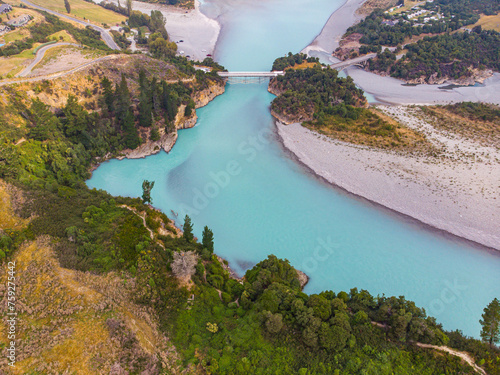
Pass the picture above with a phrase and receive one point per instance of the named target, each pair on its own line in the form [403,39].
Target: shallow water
[231,173]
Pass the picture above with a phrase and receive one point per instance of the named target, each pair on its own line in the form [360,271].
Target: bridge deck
[251,74]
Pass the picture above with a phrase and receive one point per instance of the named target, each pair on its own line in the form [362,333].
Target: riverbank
[456,193]
[394,91]
[336,26]
[168,140]
[198,33]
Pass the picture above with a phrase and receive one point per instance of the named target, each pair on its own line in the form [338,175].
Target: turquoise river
[231,173]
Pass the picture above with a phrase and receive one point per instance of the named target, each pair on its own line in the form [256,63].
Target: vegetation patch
[477,121]
[444,56]
[371,128]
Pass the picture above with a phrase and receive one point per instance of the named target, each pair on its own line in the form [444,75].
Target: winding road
[104,33]
[57,75]
[39,56]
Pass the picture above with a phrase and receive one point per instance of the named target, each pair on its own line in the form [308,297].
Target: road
[108,39]
[56,75]
[39,56]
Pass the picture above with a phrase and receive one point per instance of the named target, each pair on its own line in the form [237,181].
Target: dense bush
[311,91]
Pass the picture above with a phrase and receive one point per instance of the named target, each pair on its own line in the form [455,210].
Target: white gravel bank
[459,194]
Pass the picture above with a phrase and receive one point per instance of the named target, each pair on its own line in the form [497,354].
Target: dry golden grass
[488,22]
[304,65]
[62,35]
[400,138]
[8,219]
[64,319]
[484,132]
[82,9]
[370,5]
[407,6]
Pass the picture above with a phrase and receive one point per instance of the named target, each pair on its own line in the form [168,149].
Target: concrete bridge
[359,61]
[250,74]
[259,77]
[249,77]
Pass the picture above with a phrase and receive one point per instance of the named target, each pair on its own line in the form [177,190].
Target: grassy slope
[81,9]
[488,22]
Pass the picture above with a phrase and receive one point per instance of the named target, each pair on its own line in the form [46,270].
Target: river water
[231,173]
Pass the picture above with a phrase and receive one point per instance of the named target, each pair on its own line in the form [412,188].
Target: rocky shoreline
[476,76]
[167,140]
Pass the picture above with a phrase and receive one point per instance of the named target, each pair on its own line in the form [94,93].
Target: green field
[62,36]
[81,9]
[9,66]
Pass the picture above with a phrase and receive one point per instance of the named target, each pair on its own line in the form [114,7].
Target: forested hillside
[452,56]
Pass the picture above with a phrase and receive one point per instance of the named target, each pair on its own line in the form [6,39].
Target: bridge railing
[250,74]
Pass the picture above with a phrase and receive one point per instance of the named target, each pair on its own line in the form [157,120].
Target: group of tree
[155,22]
[306,93]
[447,55]
[158,103]
[456,14]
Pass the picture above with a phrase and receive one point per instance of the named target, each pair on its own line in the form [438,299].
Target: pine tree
[188,229]
[129,7]
[123,103]
[108,94]
[68,7]
[145,105]
[208,239]
[490,322]
[132,139]
[147,186]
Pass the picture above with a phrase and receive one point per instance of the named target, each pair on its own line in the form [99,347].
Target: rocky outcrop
[476,75]
[273,87]
[283,117]
[303,278]
[165,143]
[290,119]
[183,122]
[203,97]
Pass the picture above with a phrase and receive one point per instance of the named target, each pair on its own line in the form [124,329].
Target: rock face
[183,122]
[303,278]
[165,143]
[476,75]
[289,119]
[203,97]
[284,117]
